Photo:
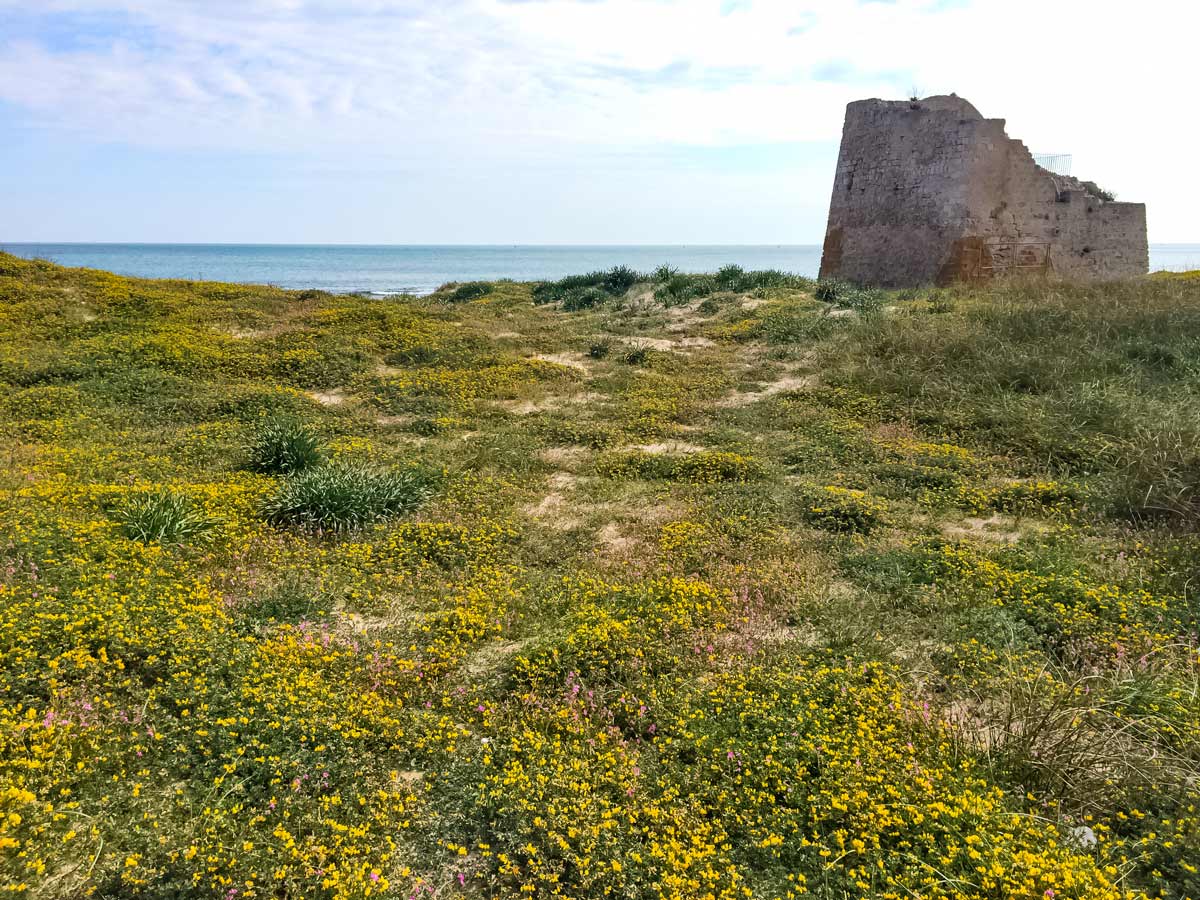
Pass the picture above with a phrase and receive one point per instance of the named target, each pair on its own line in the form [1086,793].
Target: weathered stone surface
[930,191]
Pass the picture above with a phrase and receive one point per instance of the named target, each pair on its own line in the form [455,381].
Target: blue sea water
[421,269]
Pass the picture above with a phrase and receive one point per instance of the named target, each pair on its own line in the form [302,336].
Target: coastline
[384,270]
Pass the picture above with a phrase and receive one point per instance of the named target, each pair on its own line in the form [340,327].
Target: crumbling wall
[931,192]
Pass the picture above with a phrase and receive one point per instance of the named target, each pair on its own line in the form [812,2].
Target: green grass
[282,446]
[1098,380]
[162,516]
[472,290]
[648,585]
[338,498]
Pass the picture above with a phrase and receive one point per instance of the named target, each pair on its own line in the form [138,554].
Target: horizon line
[368,244]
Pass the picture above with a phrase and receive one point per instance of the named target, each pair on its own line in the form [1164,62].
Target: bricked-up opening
[934,192]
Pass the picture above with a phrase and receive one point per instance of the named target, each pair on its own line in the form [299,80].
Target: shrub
[583,298]
[636,355]
[715,466]
[599,349]
[431,426]
[13,265]
[283,446]
[619,279]
[729,278]
[685,288]
[634,464]
[842,509]
[597,436]
[1098,192]
[299,362]
[472,290]
[1030,496]
[340,498]
[615,630]
[162,516]
[584,291]
[44,401]
[681,289]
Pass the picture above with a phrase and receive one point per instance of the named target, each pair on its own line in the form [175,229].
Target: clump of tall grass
[584,291]
[675,288]
[680,289]
[280,446]
[163,517]
[636,355]
[835,508]
[472,290]
[340,498]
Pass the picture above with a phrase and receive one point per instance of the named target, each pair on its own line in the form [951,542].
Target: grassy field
[627,586]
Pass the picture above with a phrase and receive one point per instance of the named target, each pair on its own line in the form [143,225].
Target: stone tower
[931,192]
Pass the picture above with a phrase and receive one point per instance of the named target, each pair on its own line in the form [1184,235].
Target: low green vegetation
[282,446]
[472,290]
[338,498]
[161,516]
[639,585]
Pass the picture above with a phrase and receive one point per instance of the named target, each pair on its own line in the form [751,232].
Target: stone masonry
[931,192]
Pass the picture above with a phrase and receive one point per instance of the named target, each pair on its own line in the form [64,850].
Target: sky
[549,121]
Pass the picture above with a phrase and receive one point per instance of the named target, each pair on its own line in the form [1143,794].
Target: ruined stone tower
[930,191]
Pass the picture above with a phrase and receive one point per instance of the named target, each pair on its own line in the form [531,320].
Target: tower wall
[931,192]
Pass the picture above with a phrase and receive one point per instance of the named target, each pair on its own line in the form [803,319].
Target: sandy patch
[563,480]
[530,407]
[565,457]
[669,447]
[996,528]
[610,538]
[360,624]
[757,632]
[328,398]
[786,383]
[545,404]
[570,360]
[490,657]
[640,296]
[665,345]
[555,509]
[247,334]
[548,507]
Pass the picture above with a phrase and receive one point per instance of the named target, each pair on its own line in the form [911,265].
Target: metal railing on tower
[1058,163]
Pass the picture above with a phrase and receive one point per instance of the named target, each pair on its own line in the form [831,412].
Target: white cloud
[489,82]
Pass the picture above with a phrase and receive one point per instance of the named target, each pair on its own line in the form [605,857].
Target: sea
[381,269]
